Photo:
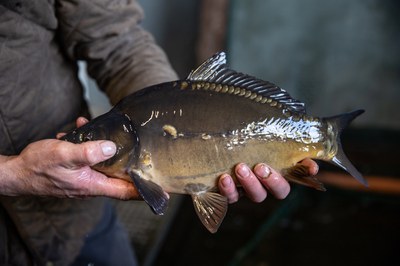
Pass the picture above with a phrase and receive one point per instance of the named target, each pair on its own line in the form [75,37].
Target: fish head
[117,128]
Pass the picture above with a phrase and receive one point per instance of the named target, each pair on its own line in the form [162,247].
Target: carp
[180,136]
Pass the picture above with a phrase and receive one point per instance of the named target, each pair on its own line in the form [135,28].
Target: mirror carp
[180,136]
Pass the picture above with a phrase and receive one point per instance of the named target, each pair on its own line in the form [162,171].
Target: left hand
[259,182]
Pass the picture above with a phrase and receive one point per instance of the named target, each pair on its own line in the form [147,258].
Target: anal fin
[300,174]
[211,208]
[152,193]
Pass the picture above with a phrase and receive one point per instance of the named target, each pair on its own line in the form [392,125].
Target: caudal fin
[339,123]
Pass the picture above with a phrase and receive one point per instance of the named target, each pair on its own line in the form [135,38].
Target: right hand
[61,169]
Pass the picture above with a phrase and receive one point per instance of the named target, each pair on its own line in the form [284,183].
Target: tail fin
[339,123]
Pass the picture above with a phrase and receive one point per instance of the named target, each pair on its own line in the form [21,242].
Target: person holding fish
[52,201]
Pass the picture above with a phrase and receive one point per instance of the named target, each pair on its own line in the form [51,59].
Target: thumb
[92,152]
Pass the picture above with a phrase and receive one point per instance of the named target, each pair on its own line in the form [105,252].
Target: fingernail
[263,171]
[243,171]
[226,181]
[108,148]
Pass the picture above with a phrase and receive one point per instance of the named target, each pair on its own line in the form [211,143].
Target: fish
[180,136]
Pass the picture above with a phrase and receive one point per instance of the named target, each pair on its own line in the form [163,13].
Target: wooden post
[212,28]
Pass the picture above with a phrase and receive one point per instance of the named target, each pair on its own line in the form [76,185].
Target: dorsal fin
[215,70]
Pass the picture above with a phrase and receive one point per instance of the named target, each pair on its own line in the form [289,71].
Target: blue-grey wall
[174,25]
[335,56]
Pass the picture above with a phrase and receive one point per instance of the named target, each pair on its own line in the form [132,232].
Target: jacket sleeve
[121,56]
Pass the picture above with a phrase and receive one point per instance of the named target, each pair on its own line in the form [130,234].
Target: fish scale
[180,136]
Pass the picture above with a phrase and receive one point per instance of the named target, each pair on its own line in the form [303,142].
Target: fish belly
[178,164]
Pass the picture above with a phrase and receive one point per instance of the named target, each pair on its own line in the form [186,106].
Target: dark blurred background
[336,56]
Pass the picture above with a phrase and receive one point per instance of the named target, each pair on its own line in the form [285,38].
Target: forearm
[140,63]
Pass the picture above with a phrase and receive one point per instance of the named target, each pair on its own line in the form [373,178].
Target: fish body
[180,136]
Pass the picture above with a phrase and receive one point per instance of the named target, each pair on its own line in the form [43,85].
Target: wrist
[8,175]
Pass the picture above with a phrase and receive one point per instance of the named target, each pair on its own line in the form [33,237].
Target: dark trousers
[108,243]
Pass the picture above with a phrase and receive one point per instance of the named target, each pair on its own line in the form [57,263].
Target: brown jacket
[40,43]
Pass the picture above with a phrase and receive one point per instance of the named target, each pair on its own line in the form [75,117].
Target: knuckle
[59,151]
[274,180]
[90,153]
[87,151]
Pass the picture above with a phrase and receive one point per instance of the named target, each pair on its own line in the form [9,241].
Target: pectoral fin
[300,174]
[211,208]
[152,193]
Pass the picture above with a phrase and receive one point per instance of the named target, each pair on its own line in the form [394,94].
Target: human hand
[62,169]
[259,182]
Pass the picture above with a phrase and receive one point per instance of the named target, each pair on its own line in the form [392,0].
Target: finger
[228,188]
[60,135]
[116,188]
[272,180]
[254,190]
[93,183]
[312,166]
[80,121]
[87,153]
